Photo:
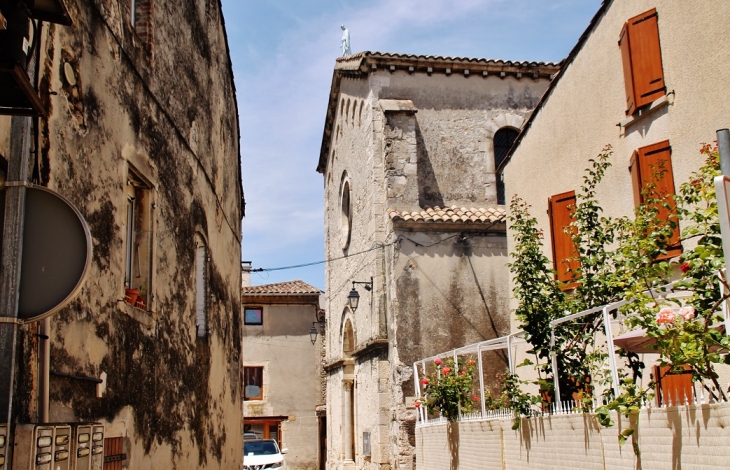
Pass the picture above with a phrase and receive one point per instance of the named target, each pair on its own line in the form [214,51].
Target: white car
[263,455]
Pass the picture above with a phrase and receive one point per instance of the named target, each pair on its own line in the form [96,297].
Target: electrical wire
[375,247]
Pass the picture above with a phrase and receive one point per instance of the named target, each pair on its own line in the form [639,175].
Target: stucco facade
[291,364]
[141,135]
[411,204]
[585,108]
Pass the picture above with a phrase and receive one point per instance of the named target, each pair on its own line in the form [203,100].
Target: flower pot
[130,295]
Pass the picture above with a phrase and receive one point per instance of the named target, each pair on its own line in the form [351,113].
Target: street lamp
[319,315]
[353,298]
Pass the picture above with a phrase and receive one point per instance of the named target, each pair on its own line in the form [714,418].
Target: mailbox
[82,447]
[62,446]
[97,447]
[3,447]
[33,447]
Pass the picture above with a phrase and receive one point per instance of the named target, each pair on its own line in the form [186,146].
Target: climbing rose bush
[449,387]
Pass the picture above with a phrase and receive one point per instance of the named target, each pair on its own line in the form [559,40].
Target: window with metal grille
[503,140]
[253,316]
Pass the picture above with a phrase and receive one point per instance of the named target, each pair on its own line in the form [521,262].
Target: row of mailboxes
[76,446]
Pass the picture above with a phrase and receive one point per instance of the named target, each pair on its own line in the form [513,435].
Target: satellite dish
[56,253]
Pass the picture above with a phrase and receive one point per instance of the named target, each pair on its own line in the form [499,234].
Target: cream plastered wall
[686,437]
[168,111]
[376,154]
[583,109]
[282,346]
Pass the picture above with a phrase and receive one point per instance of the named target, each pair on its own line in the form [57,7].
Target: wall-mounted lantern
[353,298]
[319,315]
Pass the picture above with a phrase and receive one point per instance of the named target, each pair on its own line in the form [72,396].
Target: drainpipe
[44,375]
[723,144]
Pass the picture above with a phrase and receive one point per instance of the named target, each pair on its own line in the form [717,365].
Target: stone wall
[160,112]
[686,437]
[409,141]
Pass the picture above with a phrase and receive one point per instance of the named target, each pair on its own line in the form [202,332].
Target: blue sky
[283,54]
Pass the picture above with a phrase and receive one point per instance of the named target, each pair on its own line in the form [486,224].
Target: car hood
[262,459]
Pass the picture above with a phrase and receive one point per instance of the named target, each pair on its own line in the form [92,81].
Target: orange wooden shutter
[642,60]
[645,165]
[673,387]
[563,248]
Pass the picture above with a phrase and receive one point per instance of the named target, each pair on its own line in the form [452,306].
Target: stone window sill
[643,112]
[142,316]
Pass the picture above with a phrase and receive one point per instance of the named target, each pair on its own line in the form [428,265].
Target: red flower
[463,372]
[475,398]
[424,381]
[685,267]
[445,370]
[417,404]
[437,361]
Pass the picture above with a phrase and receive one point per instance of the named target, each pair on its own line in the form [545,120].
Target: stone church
[415,224]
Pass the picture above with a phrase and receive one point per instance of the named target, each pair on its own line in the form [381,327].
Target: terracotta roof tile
[453,214]
[281,288]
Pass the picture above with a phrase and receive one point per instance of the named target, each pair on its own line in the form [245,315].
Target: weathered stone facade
[145,119]
[404,134]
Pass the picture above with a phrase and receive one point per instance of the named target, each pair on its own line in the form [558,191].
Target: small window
[345,213]
[642,61]
[141,19]
[560,211]
[653,165]
[503,141]
[253,316]
[201,321]
[253,379]
[138,241]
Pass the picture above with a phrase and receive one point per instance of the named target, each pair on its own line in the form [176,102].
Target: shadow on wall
[452,431]
[429,193]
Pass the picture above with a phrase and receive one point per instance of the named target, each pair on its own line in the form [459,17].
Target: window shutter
[562,243]
[644,165]
[642,60]
[673,387]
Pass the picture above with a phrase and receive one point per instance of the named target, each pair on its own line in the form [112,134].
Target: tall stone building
[140,133]
[415,223]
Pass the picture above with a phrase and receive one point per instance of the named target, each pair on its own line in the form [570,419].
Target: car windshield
[260,448]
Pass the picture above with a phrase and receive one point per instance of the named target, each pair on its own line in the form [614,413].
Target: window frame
[640,163]
[642,61]
[258,371]
[559,239]
[499,159]
[261,321]
[138,235]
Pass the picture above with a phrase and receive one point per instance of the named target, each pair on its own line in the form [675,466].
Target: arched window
[345,212]
[503,140]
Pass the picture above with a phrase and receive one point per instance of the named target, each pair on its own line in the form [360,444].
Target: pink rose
[424,381]
[463,372]
[437,361]
[665,315]
[417,404]
[687,313]
[445,370]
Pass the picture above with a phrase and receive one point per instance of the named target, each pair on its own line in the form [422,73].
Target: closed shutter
[673,388]
[200,297]
[642,60]
[653,165]
[561,215]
